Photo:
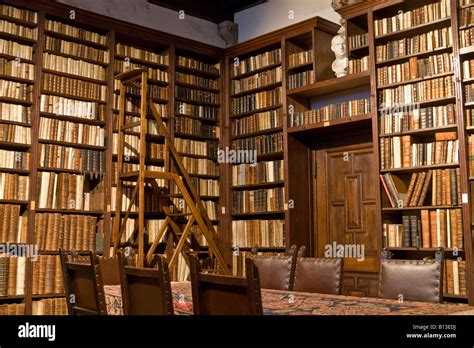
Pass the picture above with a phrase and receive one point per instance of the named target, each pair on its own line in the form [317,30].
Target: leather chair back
[276,272]
[318,275]
[411,280]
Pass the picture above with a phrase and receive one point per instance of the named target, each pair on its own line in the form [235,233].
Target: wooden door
[346,213]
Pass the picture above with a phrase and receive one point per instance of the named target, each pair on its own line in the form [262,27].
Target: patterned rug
[277,302]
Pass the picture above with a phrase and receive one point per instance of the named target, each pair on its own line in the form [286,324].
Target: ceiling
[211,10]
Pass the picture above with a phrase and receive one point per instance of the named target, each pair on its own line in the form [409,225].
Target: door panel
[346,203]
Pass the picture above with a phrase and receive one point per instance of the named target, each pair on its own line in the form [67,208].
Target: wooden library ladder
[138,78]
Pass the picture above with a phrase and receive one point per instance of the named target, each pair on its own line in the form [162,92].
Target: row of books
[258,100]
[263,233]
[14,68]
[152,200]
[443,183]
[64,157]
[466,17]
[16,90]
[358,65]
[201,166]
[256,62]
[194,147]
[431,229]
[76,32]
[197,80]
[300,79]
[255,201]
[454,277]
[195,127]
[67,192]
[14,187]
[470,157]
[154,74]
[400,152]
[205,187]
[152,226]
[468,69]
[15,134]
[151,125]
[14,49]
[15,112]
[257,122]
[141,54]
[14,159]
[197,95]
[211,207]
[469,93]
[47,275]
[73,87]
[466,38]
[71,132]
[417,92]
[418,118]
[73,66]
[19,13]
[80,51]
[439,38]
[418,16]
[12,275]
[154,91]
[47,306]
[415,68]
[263,144]
[331,112]
[18,30]
[68,232]
[262,172]
[12,309]
[300,58]
[197,64]
[469,117]
[132,147]
[13,224]
[205,112]
[356,41]
[70,107]
[257,80]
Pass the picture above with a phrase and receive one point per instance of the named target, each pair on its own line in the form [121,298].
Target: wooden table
[277,302]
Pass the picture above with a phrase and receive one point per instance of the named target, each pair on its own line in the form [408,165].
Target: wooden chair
[83,285]
[146,291]
[318,275]
[411,280]
[276,272]
[225,295]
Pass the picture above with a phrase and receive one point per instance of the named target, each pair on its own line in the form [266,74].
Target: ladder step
[129,175]
[130,75]
[130,125]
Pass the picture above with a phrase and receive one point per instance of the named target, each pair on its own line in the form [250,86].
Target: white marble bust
[338,46]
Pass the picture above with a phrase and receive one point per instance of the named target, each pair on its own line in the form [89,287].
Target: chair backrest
[411,280]
[276,272]
[109,266]
[318,275]
[83,285]
[215,294]
[146,291]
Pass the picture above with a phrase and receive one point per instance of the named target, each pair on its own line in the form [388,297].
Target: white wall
[274,14]
[151,16]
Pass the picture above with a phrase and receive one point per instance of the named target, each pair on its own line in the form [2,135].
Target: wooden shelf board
[14,146]
[70,211]
[421,131]
[194,136]
[433,207]
[322,88]
[16,79]
[148,63]
[210,120]
[197,102]
[255,111]
[414,29]
[208,74]
[10,57]
[260,132]
[15,171]
[22,124]
[20,39]
[258,186]
[263,249]
[73,145]
[255,71]
[267,87]
[333,123]
[76,77]
[299,67]
[70,38]
[19,21]
[420,168]
[16,101]
[13,201]
[74,119]
[202,88]
[75,97]
[259,214]
[419,104]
